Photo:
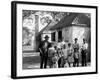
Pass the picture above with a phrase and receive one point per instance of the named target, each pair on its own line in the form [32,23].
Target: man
[76,53]
[43,48]
[84,52]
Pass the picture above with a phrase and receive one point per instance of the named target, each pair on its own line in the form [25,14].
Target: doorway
[59,35]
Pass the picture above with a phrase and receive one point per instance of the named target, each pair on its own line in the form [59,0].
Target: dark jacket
[44,50]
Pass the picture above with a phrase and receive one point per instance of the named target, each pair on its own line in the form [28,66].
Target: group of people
[62,55]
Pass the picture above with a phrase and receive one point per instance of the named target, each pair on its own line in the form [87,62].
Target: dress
[70,55]
[55,61]
[76,50]
[51,52]
[64,57]
[64,53]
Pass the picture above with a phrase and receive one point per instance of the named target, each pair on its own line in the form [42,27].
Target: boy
[76,53]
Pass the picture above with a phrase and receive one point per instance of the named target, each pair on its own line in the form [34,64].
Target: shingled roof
[66,21]
[82,19]
[76,18]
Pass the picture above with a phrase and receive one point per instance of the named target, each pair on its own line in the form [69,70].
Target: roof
[46,28]
[51,25]
[66,21]
[82,19]
[76,18]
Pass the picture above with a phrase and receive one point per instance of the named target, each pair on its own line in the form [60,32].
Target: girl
[53,57]
[64,55]
[70,55]
[51,52]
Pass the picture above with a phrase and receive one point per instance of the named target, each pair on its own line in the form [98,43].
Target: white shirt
[51,51]
[45,45]
[60,44]
[84,46]
[64,53]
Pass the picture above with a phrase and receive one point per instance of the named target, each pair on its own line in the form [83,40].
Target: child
[55,60]
[51,52]
[66,63]
[76,53]
[60,60]
[64,55]
[53,57]
[70,54]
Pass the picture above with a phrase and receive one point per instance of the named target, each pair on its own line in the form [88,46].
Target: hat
[75,39]
[46,36]
[83,39]
[69,44]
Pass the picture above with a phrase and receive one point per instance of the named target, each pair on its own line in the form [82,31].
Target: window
[53,36]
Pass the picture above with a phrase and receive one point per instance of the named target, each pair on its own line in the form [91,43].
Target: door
[59,35]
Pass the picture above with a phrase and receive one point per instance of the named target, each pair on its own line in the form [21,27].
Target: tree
[56,16]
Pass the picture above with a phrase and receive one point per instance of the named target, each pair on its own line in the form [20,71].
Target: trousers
[43,62]
[84,62]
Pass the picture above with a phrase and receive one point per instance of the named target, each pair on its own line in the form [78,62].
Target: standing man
[43,48]
[76,53]
[84,52]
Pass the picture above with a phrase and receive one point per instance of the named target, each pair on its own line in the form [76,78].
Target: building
[73,26]
[76,25]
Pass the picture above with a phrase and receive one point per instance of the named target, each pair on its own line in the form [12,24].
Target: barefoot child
[70,55]
[64,55]
[53,57]
[51,52]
